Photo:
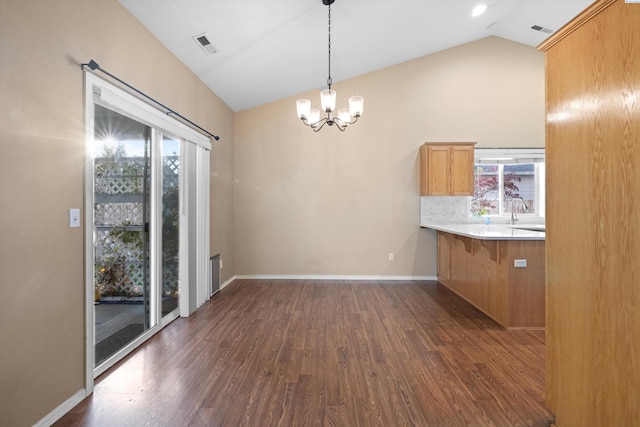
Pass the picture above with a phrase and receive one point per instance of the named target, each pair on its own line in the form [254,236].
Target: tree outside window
[497,184]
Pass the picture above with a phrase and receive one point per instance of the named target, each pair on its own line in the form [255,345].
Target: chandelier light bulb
[345,115]
[314,117]
[328,100]
[356,105]
[304,107]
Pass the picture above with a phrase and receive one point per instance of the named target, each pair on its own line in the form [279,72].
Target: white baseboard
[328,277]
[62,409]
[224,285]
[324,277]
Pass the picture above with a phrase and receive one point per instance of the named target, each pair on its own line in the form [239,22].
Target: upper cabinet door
[437,171]
[446,169]
[462,170]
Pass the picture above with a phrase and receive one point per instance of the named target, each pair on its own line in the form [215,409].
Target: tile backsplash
[452,209]
[445,209]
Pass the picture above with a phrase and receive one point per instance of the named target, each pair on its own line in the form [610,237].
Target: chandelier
[346,116]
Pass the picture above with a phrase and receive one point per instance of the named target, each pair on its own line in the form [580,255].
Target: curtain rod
[93,65]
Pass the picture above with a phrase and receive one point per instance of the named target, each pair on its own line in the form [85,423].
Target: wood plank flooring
[327,353]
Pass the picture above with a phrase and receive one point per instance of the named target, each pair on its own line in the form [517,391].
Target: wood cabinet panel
[438,171]
[593,217]
[446,169]
[445,241]
[462,158]
[527,283]
[482,272]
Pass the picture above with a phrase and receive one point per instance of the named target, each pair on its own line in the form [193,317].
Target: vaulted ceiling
[271,49]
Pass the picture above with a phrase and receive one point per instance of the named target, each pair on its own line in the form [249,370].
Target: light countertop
[491,231]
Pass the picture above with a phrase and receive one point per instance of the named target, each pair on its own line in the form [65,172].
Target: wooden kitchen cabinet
[593,167]
[446,169]
[483,273]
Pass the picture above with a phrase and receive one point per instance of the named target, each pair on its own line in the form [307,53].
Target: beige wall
[41,177]
[336,203]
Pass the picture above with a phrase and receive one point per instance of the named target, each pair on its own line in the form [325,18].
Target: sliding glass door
[136,213]
[122,195]
[147,219]
[170,266]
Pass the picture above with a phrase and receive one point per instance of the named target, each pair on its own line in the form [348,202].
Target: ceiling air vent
[203,41]
[542,29]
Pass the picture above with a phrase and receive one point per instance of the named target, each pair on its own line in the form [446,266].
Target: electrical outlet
[519,263]
[392,256]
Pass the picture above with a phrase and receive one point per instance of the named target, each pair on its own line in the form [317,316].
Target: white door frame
[125,103]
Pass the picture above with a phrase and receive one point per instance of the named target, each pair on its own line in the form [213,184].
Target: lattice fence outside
[172,163]
[119,175]
[114,214]
[120,224]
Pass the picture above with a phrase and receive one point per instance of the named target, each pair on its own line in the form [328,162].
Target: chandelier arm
[317,128]
[339,126]
[344,122]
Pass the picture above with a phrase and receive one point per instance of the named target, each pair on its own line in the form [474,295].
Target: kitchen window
[501,176]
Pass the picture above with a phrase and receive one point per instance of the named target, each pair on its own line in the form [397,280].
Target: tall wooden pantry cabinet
[593,217]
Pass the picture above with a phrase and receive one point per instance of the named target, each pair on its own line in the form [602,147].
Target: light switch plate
[74,218]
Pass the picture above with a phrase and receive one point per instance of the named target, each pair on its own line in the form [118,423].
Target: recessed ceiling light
[479,10]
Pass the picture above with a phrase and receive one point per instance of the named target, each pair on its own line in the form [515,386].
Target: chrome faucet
[514,217]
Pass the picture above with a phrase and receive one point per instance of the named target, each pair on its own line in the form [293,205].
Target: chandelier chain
[329,80]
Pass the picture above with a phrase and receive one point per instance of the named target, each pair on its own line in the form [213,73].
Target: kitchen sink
[530,227]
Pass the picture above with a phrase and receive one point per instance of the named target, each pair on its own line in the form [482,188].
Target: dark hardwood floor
[303,353]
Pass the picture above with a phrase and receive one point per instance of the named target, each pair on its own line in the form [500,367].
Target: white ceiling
[271,49]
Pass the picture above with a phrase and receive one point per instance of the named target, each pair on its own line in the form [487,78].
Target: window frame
[509,156]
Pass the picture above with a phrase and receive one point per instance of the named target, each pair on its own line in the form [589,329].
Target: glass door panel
[121,238]
[170,225]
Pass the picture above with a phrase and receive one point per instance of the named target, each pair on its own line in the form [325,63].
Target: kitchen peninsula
[500,269]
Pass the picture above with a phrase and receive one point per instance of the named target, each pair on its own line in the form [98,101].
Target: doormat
[114,342]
